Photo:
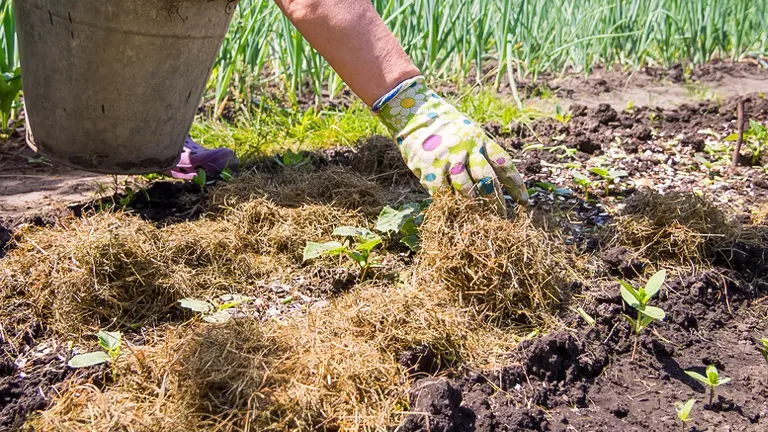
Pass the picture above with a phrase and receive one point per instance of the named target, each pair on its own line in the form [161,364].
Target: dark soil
[24,390]
[585,378]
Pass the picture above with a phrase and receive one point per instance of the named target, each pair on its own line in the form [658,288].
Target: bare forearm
[354,40]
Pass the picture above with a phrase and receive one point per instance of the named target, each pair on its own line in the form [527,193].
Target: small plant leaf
[314,250]
[653,312]
[602,172]
[654,283]
[110,341]
[219,317]
[684,409]
[391,220]
[196,305]
[723,381]
[712,374]
[412,241]
[698,377]
[89,359]
[630,295]
[367,246]
[357,232]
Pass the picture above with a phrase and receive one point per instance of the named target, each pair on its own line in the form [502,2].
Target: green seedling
[638,299]
[292,159]
[608,176]
[684,411]
[762,346]
[712,380]
[756,137]
[358,246]
[404,221]
[584,182]
[201,178]
[215,313]
[110,343]
[561,116]
[226,175]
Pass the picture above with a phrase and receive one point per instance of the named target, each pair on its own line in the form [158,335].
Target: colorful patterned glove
[444,148]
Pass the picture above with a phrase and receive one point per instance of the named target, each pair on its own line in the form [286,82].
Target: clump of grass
[506,270]
[334,367]
[677,227]
[82,275]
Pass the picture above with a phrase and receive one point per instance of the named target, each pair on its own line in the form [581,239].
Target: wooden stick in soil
[740,139]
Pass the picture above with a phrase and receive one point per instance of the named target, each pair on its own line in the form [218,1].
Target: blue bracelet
[394,92]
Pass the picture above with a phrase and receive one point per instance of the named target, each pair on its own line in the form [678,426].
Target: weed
[226,175]
[561,116]
[10,87]
[212,313]
[585,316]
[684,411]
[712,380]
[638,300]
[110,343]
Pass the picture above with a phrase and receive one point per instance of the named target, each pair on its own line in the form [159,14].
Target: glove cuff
[405,85]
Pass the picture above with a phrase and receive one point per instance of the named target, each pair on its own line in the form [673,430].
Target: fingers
[487,183]
[506,172]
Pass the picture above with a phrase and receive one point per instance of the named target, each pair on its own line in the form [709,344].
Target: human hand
[446,149]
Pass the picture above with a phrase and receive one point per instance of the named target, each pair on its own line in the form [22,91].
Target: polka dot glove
[444,148]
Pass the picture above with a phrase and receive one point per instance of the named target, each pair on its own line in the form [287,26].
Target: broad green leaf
[391,220]
[731,137]
[196,305]
[109,341]
[653,312]
[412,241]
[630,295]
[357,232]
[698,377]
[90,359]
[369,245]
[654,283]
[360,258]
[313,250]
[600,171]
[219,317]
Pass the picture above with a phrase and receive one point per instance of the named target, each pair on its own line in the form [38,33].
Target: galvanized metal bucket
[112,86]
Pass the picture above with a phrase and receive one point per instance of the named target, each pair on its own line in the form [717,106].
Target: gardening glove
[444,148]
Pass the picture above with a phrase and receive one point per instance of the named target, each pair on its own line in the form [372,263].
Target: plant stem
[711,394]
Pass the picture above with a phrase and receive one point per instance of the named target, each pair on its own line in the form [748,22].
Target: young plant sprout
[762,346]
[608,176]
[212,313]
[584,182]
[684,411]
[405,221]
[712,380]
[109,342]
[358,246]
[292,159]
[757,138]
[638,300]
[201,178]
